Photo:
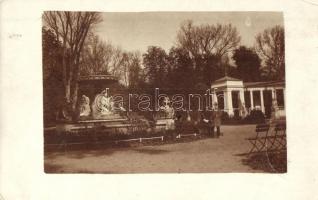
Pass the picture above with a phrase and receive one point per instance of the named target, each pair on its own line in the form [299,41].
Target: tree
[135,72]
[97,57]
[128,62]
[180,70]
[102,57]
[51,49]
[270,46]
[71,29]
[248,64]
[207,46]
[52,73]
[155,61]
[207,39]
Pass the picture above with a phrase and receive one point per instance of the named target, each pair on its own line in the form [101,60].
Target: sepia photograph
[164,92]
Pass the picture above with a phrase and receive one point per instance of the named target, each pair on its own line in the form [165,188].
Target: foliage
[180,72]
[97,56]
[225,116]
[100,57]
[52,73]
[255,117]
[270,46]
[209,47]
[155,61]
[207,39]
[51,53]
[248,64]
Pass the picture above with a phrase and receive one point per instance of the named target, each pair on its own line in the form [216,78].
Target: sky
[136,31]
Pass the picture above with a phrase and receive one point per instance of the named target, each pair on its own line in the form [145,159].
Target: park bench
[268,139]
[259,142]
[278,141]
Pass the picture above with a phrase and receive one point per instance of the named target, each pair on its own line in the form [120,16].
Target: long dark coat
[217,117]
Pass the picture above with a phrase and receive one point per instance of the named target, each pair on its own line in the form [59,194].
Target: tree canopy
[248,64]
[270,46]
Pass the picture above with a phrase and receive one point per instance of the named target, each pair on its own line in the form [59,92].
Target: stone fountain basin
[69,127]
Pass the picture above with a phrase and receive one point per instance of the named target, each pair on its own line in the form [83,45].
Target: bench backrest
[280,127]
[262,128]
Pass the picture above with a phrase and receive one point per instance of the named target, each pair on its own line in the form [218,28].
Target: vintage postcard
[164,92]
[158,99]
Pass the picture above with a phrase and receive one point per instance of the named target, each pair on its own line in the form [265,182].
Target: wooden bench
[268,139]
[278,140]
[259,142]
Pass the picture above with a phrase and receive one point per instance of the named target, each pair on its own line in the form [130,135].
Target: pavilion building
[239,98]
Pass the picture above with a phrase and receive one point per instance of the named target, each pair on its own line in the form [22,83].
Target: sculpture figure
[84,107]
[102,105]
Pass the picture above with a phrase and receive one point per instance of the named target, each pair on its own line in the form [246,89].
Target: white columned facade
[229,84]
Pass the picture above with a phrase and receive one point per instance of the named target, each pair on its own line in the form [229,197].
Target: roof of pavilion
[251,84]
[226,78]
[264,84]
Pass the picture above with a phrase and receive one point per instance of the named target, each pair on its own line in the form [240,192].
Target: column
[242,98]
[215,97]
[273,94]
[229,105]
[262,101]
[225,100]
[252,101]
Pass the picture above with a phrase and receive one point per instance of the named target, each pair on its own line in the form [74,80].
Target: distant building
[238,98]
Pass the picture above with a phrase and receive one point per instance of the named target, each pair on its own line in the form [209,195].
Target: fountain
[97,110]
[96,106]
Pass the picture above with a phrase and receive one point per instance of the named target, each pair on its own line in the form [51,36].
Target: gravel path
[207,155]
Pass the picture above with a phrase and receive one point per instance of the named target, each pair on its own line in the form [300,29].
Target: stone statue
[275,109]
[84,108]
[102,105]
[168,114]
[168,110]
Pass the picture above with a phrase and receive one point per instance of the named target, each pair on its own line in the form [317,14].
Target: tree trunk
[68,91]
[74,101]
[74,94]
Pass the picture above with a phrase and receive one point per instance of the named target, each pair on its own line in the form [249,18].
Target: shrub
[256,116]
[225,116]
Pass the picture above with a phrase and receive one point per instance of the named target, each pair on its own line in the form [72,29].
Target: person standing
[217,118]
[178,125]
[208,122]
[196,121]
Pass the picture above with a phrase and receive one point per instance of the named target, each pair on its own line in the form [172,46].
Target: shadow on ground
[151,151]
[269,162]
[52,168]
[59,169]
[79,154]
